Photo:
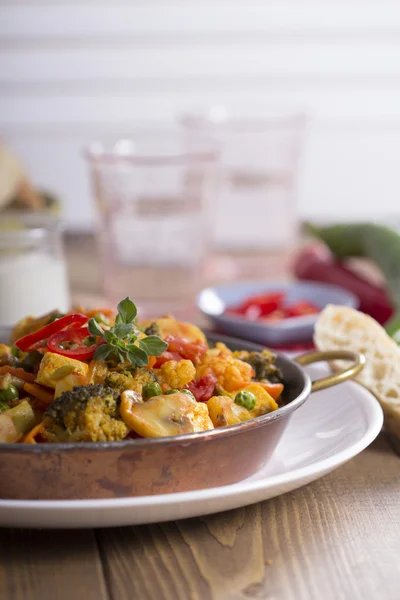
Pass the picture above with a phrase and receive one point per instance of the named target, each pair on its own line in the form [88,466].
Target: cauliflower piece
[177,374]
[168,325]
[264,402]
[51,362]
[166,415]
[223,411]
[232,373]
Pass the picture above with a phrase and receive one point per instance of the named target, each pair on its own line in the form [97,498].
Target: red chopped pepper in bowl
[272,307]
[275,314]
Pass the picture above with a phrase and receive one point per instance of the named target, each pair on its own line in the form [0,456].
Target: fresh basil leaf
[126,310]
[102,352]
[121,355]
[94,328]
[137,356]
[109,336]
[122,330]
[119,344]
[153,345]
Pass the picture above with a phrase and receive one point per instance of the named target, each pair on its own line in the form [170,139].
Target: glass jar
[33,276]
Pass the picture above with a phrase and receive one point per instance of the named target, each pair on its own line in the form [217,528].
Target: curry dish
[100,375]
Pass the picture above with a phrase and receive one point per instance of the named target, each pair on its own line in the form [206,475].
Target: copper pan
[164,465]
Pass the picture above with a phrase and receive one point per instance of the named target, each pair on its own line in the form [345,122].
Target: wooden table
[335,539]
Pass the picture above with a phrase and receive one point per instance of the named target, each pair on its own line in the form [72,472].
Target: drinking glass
[255,211]
[152,192]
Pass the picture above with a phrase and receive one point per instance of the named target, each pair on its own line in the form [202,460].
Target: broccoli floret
[153,329]
[134,380]
[87,413]
[142,377]
[119,381]
[263,364]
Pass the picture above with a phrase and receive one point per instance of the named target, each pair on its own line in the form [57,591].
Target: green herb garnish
[120,338]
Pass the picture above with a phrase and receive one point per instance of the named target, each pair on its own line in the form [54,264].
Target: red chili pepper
[316,263]
[70,343]
[27,342]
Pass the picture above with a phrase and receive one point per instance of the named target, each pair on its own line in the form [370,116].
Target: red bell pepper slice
[258,306]
[202,388]
[70,342]
[302,308]
[28,342]
[179,349]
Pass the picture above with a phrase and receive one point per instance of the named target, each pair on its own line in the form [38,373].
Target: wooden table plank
[50,565]
[338,538]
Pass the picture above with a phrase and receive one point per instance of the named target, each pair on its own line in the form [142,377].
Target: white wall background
[71,70]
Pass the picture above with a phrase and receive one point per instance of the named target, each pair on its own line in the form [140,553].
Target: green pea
[246,399]
[151,389]
[174,391]
[9,394]
[189,393]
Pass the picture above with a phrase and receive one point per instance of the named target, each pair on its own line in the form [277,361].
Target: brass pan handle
[358,362]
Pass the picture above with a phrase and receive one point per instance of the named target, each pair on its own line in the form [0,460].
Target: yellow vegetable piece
[163,416]
[51,362]
[264,402]
[23,416]
[62,372]
[68,383]
[16,421]
[98,371]
[8,431]
[168,325]
[224,411]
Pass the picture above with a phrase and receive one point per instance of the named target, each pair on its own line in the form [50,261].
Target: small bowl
[213,301]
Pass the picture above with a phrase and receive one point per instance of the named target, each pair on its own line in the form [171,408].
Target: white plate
[329,429]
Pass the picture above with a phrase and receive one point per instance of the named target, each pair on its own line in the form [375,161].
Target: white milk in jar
[33,277]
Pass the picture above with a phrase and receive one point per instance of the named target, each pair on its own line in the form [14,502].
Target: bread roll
[342,328]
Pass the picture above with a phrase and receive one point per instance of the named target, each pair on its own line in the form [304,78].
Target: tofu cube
[51,362]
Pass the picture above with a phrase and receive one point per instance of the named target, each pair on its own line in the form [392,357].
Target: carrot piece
[273,389]
[18,372]
[30,436]
[40,392]
[152,362]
